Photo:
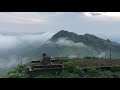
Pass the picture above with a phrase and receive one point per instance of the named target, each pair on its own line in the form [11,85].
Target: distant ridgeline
[65,43]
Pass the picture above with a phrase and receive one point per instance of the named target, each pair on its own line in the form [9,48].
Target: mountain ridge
[65,43]
[87,39]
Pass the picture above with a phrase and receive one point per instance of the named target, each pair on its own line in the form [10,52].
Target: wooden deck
[52,61]
[44,68]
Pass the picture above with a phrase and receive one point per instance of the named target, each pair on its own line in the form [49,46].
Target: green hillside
[74,68]
[66,43]
[88,39]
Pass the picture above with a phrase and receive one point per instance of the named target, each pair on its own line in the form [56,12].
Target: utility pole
[110,52]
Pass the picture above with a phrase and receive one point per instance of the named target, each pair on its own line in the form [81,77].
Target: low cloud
[66,42]
[27,17]
[14,41]
[102,54]
[108,14]
[8,63]
[103,16]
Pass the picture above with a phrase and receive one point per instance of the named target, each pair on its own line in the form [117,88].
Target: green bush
[70,66]
[92,72]
[64,74]
[115,68]
[107,74]
[67,74]
[78,70]
[72,70]
[116,74]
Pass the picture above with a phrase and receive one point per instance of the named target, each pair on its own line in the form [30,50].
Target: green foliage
[92,72]
[78,70]
[107,74]
[70,65]
[67,74]
[72,69]
[62,59]
[116,74]
[115,68]
[17,72]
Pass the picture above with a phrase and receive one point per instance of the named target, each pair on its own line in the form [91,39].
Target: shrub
[64,74]
[116,74]
[115,68]
[78,70]
[92,72]
[107,74]
[70,66]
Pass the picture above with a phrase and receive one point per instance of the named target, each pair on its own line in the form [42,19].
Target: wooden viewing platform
[40,61]
[46,67]
[53,61]
[55,66]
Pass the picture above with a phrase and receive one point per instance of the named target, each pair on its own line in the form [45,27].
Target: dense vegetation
[74,68]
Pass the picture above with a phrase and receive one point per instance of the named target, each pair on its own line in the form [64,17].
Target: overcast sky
[102,24]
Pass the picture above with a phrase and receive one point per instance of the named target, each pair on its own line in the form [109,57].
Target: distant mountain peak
[73,45]
[63,31]
[72,36]
[87,39]
[63,34]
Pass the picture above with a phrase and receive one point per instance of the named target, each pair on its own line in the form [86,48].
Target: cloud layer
[97,23]
[65,42]
[10,43]
[21,18]
[103,16]
[18,41]
[109,14]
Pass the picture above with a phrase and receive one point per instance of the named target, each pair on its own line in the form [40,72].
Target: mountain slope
[66,43]
[89,40]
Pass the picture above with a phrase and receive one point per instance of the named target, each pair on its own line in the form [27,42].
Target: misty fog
[66,42]
[8,42]
[12,44]
[80,48]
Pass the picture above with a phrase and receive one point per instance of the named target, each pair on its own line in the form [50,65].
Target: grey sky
[105,25]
